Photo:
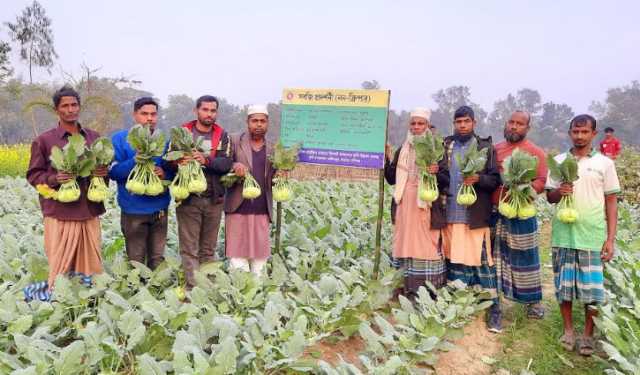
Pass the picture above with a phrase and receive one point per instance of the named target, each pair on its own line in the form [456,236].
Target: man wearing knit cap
[467,237]
[417,224]
[247,220]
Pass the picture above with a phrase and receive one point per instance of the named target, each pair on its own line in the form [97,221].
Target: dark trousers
[145,237]
[198,225]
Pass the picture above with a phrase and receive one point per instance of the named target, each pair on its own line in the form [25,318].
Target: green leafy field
[320,291]
[132,320]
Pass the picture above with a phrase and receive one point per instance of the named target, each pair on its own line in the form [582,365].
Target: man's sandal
[568,342]
[586,346]
[535,311]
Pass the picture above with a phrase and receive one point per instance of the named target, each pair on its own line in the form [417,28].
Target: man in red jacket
[610,145]
[199,215]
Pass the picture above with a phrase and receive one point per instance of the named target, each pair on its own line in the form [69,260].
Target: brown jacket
[42,172]
[241,153]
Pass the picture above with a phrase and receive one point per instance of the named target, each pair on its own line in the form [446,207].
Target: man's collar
[211,128]
[592,153]
[62,133]
[520,143]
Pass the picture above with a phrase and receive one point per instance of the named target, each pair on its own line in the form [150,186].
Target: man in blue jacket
[143,219]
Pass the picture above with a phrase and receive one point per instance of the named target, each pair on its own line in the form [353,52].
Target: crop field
[319,292]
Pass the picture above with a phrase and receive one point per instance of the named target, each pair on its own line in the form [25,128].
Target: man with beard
[580,248]
[143,218]
[417,224]
[467,237]
[247,220]
[72,229]
[515,240]
[199,215]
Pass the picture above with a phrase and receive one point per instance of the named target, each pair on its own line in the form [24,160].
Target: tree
[107,101]
[528,100]
[15,126]
[5,68]
[32,32]
[551,129]
[11,130]
[450,99]
[26,109]
[398,127]
[502,110]
[621,111]
[370,85]
[232,117]
[98,112]
[178,111]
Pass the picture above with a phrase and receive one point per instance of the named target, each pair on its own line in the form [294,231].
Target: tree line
[25,108]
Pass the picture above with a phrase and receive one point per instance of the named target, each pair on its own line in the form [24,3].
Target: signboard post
[340,128]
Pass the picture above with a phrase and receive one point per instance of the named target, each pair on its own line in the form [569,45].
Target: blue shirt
[456,213]
[124,161]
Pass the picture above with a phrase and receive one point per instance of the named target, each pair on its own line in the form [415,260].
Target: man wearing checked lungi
[466,237]
[417,225]
[580,248]
[516,241]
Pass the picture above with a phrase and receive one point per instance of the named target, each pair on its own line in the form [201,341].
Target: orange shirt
[504,149]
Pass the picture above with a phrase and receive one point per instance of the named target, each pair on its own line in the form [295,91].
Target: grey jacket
[241,153]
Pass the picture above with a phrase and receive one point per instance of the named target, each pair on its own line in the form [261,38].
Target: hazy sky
[248,51]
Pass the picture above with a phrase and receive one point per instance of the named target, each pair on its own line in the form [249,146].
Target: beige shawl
[406,162]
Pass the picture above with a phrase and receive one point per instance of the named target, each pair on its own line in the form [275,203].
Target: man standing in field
[417,224]
[516,240]
[247,220]
[199,215]
[610,146]
[71,230]
[143,219]
[580,248]
[467,237]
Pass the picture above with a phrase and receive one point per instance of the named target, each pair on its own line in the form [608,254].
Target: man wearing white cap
[247,220]
[417,224]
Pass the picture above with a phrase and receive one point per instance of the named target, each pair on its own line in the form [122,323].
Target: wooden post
[278,227]
[378,250]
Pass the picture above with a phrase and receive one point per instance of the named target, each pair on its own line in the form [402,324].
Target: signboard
[336,127]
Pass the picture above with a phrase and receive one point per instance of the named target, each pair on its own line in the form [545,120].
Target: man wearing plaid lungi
[466,238]
[581,247]
[516,240]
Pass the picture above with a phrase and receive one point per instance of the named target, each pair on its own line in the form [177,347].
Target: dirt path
[473,354]
[346,350]
[466,357]
[478,343]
